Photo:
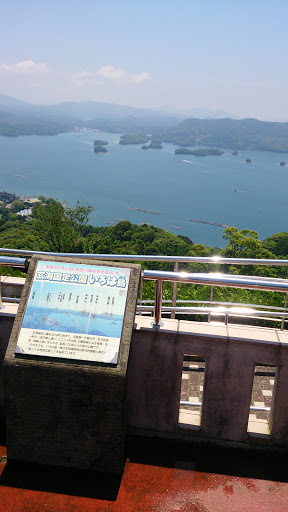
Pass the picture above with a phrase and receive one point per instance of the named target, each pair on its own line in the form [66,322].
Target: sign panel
[75,311]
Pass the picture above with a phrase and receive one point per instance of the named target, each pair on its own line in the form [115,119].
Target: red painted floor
[157,476]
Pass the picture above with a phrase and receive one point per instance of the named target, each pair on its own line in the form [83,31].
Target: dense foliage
[155,145]
[199,152]
[133,138]
[56,228]
[241,134]
[100,142]
[13,126]
[100,149]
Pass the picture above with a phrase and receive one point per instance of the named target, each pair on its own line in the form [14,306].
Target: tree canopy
[61,229]
[277,243]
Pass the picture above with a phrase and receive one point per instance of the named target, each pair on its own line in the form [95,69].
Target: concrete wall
[12,286]
[231,352]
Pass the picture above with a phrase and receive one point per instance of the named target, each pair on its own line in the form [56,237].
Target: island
[199,152]
[155,145]
[133,138]
[248,161]
[100,149]
[100,143]
[282,163]
[236,134]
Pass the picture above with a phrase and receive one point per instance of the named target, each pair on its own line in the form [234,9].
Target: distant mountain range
[199,113]
[91,114]
[22,118]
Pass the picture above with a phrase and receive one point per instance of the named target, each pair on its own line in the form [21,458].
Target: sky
[176,55]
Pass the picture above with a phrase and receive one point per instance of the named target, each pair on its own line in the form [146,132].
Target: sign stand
[65,366]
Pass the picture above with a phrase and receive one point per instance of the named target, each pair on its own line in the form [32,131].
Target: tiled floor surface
[192,391]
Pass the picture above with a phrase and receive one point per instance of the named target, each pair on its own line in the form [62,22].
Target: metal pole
[158,303]
[141,291]
[211,300]
[174,292]
[285,306]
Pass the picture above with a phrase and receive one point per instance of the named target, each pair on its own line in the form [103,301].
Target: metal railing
[211,308]
[217,279]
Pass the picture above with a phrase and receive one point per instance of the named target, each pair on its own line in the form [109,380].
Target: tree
[20,238]
[61,229]
[277,243]
[17,205]
[246,244]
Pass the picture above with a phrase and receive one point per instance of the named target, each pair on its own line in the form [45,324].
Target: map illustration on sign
[75,311]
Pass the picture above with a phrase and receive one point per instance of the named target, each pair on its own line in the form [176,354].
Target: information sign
[74,311]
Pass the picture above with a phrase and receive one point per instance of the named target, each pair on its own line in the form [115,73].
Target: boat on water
[210,223]
[241,191]
[19,176]
[144,211]
[175,227]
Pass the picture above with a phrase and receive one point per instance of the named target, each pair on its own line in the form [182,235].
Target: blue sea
[55,319]
[221,189]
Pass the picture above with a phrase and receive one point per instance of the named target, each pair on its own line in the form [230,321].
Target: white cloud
[25,67]
[109,73]
[140,77]
[85,77]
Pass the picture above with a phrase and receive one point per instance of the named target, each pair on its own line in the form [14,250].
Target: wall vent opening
[191,391]
[260,417]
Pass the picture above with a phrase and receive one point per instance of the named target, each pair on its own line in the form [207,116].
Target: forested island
[153,145]
[100,143]
[199,152]
[243,134]
[133,138]
[100,149]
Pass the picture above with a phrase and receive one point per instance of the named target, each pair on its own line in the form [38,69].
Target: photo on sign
[81,304]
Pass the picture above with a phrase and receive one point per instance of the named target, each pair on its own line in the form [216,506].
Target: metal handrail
[232,281]
[13,262]
[199,404]
[216,260]
[213,279]
[210,279]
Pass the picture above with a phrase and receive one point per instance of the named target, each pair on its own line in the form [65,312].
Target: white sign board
[74,311]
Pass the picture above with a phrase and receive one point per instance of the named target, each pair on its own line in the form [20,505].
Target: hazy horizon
[171,56]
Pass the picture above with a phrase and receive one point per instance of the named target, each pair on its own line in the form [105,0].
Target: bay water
[220,189]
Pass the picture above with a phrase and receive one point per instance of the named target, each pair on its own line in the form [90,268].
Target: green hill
[244,134]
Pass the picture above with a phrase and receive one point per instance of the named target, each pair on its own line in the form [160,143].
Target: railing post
[158,302]
[141,291]
[211,300]
[285,306]
[0,294]
[174,292]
